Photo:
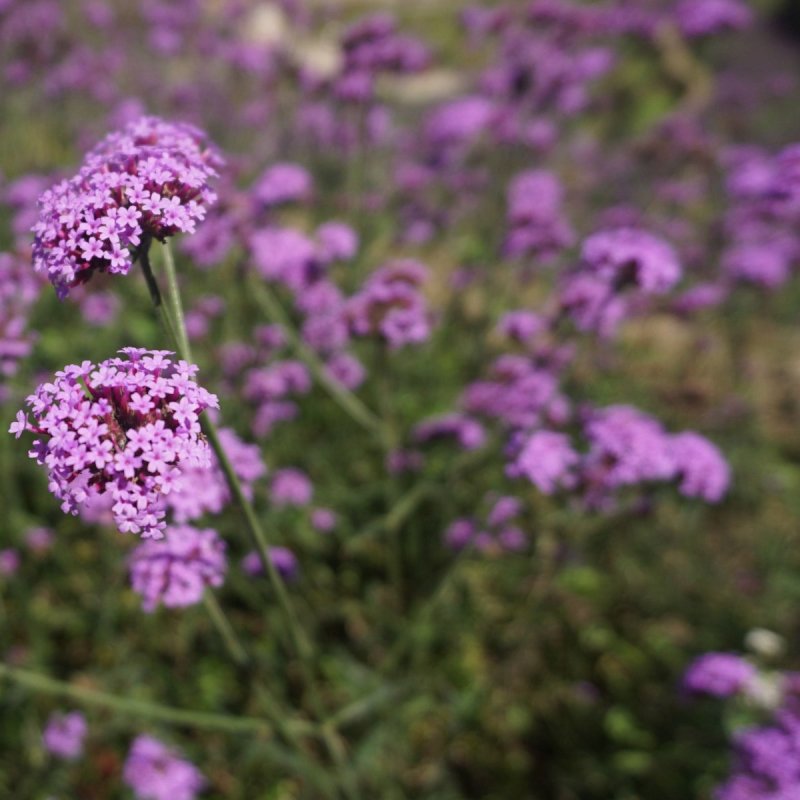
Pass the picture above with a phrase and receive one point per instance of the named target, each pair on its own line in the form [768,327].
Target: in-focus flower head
[175,571]
[123,429]
[149,180]
[156,772]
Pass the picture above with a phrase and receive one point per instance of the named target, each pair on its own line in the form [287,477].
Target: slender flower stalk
[226,631]
[300,642]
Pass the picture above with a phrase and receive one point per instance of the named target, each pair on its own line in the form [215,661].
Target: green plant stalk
[300,643]
[144,708]
[225,629]
[176,327]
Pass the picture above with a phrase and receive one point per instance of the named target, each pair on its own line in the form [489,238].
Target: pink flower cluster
[149,180]
[156,772]
[391,305]
[176,570]
[124,430]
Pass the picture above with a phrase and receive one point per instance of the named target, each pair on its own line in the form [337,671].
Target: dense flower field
[402,400]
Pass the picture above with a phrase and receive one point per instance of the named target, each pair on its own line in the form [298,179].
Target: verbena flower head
[64,735]
[156,772]
[123,429]
[176,570]
[628,257]
[291,487]
[547,460]
[718,675]
[702,470]
[391,305]
[149,180]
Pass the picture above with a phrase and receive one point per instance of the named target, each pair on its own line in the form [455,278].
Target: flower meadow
[400,400]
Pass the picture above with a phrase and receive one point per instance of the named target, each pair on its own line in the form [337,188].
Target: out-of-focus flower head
[175,571]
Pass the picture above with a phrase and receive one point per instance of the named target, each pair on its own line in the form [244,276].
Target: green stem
[143,708]
[225,629]
[300,643]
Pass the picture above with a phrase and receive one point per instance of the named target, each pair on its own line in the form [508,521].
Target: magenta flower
[547,460]
[96,439]
[719,675]
[149,180]
[175,571]
[391,306]
[291,487]
[64,735]
[156,772]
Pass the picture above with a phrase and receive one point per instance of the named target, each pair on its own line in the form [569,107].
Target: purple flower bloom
[323,519]
[521,326]
[390,305]
[469,433]
[283,183]
[155,772]
[9,562]
[291,487]
[64,735]
[701,468]
[629,257]
[176,570]
[148,180]
[547,460]
[718,675]
[336,242]
[39,540]
[626,447]
[537,225]
[704,17]
[282,558]
[460,533]
[125,429]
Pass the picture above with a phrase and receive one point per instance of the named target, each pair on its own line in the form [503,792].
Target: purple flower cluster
[291,487]
[762,243]
[520,393]
[391,305]
[468,432]
[282,558]
[156,772]
[123,430]
[623,447]
[371,46]
[547,460]
[617,268]
[537,226]
[149,180]
[19,289]
[705,17]
[499,532]
[719,675]
[175,571]
[64,735]
[766,757]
